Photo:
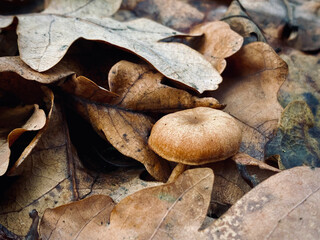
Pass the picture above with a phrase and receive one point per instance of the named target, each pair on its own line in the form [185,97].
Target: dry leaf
[140,89]
[285,206]
[149,213]
[297,22]
[42,46]
[228,187]
[241,23]
[172,13]
[249,90]
[293,143]
[219,42]
[14,122]
[253,170]
[52,175]
[76,220]
[15,64]
[121,121]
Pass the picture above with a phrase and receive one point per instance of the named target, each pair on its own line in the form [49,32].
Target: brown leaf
[296,22]
[41,45]
[76,220]
[53,175]
[288,202]
[121,121]
[23,121]
[241,23]
[140,89]
[228,187]
[253,170]
[172,13]
[14,122]
[219,42]
[15,64]
[250,87]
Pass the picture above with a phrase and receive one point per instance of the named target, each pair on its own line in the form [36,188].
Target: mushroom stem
[177,171]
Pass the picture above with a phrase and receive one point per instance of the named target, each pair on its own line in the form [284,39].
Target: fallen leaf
[253,78]
[53,175]
[140,90]
[76,220]
[172,13]
[228,187]
[15,64]
[14,122]
[42,46]
[219,42]
[95,8]
[287,201]
[253,170]
[242,24]
[293,143]
[25,113]
[150,213]
[296,22]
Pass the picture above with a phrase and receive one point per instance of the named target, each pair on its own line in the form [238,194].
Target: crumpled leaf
[53,175]
[150,213]
[15,64]
[42,46]
[287,201]
[26,108]
[76,220]
[219,42]
[122,121]
[297,22]
[253,170]
[293,143]
[253,78]
[242,24]
[14,122]
[140,89]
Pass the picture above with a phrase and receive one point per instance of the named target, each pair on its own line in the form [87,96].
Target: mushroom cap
[196,136]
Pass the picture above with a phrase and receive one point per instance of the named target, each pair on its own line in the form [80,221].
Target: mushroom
[195,136]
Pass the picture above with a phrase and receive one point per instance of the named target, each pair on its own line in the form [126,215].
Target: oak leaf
[150,213]
[253,78]
[123,121]
[219,42]
[44,39]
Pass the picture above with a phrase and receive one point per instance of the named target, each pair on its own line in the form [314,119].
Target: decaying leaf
[219,42]
[53,175]
[249,90]
[140,89]
[275,209]
[296,22]
[122,121]
[44,39]
[172,13]
[228,187]
[253,170]
[150,213]
[293,142]
[24,117]
[76,220]
[15,121]
[241,23]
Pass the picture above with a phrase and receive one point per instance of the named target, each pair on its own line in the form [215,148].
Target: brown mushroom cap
[196,136]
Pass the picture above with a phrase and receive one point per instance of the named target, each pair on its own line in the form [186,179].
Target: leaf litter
[123,106]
